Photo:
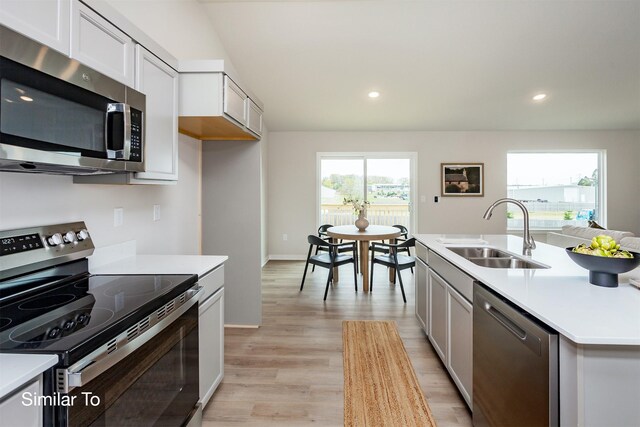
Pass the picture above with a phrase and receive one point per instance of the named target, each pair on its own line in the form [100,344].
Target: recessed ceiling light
[26,98]
[539,97]
[374,94]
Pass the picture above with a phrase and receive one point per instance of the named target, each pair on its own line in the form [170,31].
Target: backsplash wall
[32,199]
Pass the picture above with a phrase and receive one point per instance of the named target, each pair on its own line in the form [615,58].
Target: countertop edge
[17,370]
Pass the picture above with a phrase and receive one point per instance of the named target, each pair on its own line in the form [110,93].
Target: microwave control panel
[135,153]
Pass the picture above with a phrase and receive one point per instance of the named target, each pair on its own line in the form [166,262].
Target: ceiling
[438,65]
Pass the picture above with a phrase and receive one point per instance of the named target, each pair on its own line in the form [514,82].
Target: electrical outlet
[156,212]
[118,217]
[285,237]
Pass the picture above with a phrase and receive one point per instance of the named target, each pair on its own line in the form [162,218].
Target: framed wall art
[462,179]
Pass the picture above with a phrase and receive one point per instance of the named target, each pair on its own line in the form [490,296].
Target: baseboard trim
[241,326]
[287,257]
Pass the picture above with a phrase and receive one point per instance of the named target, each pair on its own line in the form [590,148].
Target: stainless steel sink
[494,258]
[511,262]
[479,252]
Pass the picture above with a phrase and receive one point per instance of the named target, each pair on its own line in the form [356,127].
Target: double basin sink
[494,258]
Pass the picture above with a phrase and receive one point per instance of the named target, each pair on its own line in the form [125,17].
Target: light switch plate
[156,212]
[118,217]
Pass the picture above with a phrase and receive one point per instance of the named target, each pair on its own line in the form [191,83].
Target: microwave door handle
[118,138]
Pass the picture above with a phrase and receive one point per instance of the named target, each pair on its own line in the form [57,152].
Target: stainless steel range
[127,345]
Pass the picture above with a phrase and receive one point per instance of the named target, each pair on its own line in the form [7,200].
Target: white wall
[182,27]
[31,199]
[292,176]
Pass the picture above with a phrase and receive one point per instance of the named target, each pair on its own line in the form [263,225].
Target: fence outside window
[339,214]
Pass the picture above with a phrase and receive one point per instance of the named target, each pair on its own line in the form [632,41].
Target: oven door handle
[108,355]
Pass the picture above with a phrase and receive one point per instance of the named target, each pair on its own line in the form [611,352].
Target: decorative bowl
[603,271]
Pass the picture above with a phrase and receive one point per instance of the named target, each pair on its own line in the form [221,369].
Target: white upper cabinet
[234,101]
[159,83]
[100,45]
[213,106]
[46,21]
[254,117]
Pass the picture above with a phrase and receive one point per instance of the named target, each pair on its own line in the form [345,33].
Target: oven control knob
[69,237]
[69,325]
[55,240]
[82,234]
[54,333]
[83,318]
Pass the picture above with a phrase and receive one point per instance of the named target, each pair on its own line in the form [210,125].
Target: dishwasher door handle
[505,321]
[500,312]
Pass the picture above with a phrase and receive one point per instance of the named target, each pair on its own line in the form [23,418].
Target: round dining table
[372,232]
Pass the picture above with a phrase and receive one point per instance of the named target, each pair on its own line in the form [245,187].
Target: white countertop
[17,369]
[162,264]
[560,296]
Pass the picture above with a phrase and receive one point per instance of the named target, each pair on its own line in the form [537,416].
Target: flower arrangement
[357,205]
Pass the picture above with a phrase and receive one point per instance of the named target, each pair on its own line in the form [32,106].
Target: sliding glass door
[385,180]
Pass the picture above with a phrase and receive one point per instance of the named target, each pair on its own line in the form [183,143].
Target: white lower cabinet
[460,342]
[451,331]
[438,314]
[211,336]
[421,289]
[14,410]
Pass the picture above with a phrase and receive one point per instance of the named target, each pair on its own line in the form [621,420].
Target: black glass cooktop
[72,318]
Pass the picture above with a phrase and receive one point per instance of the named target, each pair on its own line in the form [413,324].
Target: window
[383,179]
[558,188]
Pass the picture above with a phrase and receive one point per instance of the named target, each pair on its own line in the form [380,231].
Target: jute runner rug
[380,385]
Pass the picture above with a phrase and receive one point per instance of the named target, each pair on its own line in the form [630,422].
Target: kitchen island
[599,328]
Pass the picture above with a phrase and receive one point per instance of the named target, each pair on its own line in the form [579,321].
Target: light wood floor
[289,371]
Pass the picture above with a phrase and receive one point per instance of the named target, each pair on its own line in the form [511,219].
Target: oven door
[156,384]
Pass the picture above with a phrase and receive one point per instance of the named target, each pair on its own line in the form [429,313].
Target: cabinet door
[159,83]
[420,281]
[234,101]
[98,44]
[460,342]
[211,345]
[46,21]
[438,314]
[14,411]
[254,117]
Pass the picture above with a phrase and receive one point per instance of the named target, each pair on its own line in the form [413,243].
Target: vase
[362,223]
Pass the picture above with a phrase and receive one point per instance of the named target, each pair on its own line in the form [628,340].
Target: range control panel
[14,244]
[44,245]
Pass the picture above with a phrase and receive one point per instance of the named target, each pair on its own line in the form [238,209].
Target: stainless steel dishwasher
[515,365]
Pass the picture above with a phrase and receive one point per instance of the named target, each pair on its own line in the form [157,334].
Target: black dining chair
[322,233]
[393,259]
[332,258]
[404,236]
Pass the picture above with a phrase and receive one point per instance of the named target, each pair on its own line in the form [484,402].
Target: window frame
[412,156]
[601,193]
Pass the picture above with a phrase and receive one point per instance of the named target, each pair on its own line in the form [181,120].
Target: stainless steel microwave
[58,116]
